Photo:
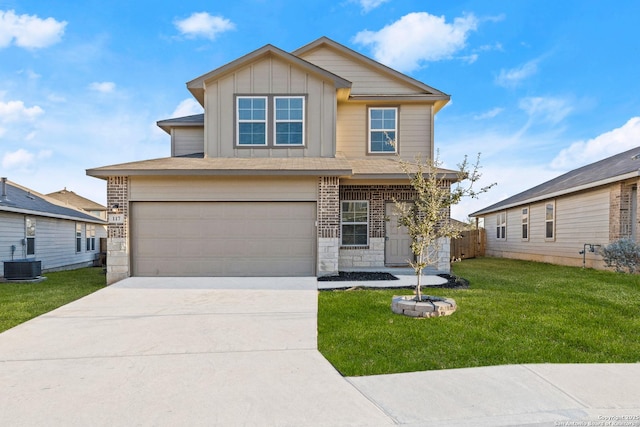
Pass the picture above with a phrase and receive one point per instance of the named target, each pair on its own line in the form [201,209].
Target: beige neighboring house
[562,220]
[291,170]
[70,198]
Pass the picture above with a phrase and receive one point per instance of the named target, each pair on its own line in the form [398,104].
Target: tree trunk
[419,274]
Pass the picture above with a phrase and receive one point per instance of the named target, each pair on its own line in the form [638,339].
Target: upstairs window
[354,219]
[252,120]
[501,226]
[289,120]
[383,130]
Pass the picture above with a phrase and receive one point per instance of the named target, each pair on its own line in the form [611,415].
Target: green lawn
[513,312]
[20,302]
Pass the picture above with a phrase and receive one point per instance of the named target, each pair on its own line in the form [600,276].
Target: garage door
[223,238]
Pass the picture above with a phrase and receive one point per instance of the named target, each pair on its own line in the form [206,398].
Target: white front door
[397,248]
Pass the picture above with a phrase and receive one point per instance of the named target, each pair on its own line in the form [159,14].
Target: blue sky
[538,87]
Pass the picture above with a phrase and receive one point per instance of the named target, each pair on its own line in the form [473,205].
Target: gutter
[50,215]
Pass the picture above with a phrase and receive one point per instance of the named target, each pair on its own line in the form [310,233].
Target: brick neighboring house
[291,170]
[553,222]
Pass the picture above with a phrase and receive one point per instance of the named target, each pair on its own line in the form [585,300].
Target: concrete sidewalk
[242,351]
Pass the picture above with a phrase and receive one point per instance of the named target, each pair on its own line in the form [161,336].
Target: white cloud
[13,111]
[29,31]
[514,76]
[418,38]
[19,159]
[489,114]
[369,5]
[188,107]
[103,87]
[201,24]
[602,146]
[548,109]
[470,59]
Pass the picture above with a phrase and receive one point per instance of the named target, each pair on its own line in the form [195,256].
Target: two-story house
[291,170]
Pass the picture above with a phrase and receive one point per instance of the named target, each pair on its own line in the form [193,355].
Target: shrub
[623,255]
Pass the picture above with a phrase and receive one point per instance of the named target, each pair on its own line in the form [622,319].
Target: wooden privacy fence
[470,244]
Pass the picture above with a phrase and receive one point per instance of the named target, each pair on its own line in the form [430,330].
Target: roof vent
[636,157]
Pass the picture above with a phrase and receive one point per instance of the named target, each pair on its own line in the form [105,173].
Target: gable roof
[440,97]
[196,86]
[20,199]
[620,167]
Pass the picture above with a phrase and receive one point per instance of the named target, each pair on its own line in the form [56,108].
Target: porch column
[118,232]
[328,225]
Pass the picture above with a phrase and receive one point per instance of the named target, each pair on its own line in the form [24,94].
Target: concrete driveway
[243,352]
[173,352]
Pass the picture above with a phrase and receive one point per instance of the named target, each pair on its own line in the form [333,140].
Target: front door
[397,248]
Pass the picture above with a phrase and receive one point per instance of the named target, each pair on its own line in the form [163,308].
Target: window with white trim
[354,223]
[251,113]
[78,237]
[501,225]
[549,221]
[383,130]
[289,120]
[525,223]
[30,234]
[91,237]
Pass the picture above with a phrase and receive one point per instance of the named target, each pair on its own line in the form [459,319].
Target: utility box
[22,269]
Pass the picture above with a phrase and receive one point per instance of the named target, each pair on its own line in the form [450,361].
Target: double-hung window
[252,120]
[501,226]
[383,130]
[354,220]
[91,237]
[270,121]
[30,231]
[525,223]
[549,221]
[78,237]
[289,120]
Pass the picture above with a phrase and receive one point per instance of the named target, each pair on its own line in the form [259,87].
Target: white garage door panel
[223,238]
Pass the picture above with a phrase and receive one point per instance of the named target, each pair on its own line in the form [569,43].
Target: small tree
[427,217]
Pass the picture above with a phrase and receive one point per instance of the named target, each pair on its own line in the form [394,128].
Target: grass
[20,302]
[514,312]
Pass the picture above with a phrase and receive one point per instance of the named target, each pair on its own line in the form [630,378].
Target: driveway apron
[179,351]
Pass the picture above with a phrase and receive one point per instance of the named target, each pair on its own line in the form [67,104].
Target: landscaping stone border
[430,306]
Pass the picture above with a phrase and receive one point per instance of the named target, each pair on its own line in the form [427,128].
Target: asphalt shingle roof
[621,166]
[21,199]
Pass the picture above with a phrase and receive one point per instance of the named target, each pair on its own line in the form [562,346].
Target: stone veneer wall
[117,234]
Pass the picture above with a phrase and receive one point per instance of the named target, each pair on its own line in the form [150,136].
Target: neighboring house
[72,199]
[291,170]
[561,220]
[36,227]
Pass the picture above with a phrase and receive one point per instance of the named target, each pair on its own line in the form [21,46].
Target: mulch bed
[357,276]
[453,282]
